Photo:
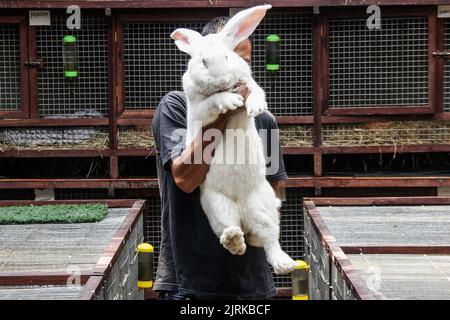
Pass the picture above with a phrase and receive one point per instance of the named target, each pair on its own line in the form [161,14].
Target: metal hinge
[33,63]
[441,53]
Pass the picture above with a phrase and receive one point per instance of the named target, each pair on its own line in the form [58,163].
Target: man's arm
[189,175]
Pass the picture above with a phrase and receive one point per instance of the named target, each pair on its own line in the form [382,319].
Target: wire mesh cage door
[152,64]
[289,91]
[83,95]
[13,71]
[386,70]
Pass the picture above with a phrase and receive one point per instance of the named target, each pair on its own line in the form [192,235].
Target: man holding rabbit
[192,263]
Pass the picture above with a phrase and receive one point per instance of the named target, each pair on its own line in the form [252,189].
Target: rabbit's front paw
[255,105]
[229,101]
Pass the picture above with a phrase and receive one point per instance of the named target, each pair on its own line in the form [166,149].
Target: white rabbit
[236,197]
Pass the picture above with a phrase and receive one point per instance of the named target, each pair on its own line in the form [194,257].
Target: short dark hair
[216,24]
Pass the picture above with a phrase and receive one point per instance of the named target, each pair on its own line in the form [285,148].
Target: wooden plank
[318,97]
[396,249]
[55,153]
[91,287]
[134,183]
[440,65]
[380,201]
[284,293]
[53,122]
[46,153]
[26,75]
[299,150]
[416,148]
[202,3]
[120,69]
[365,182]
[317,164]
[131,114]
[295,119]
[37,278]
[432,63]
[77,153]
[325,63]
[384,110]
[291,182]
[143,121]
[114,167]
[174,15]
[377,118]
[112,85]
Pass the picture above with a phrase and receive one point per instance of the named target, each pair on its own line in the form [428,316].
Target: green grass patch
[60,213]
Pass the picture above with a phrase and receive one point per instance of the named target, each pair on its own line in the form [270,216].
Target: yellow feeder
[145,265]
[300,281]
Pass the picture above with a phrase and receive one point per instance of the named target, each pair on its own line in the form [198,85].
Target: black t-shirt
[191,260]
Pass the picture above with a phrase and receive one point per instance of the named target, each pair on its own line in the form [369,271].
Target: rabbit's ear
[242,25]
[184,39]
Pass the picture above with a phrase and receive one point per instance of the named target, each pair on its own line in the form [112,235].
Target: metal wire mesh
[77,194]
[10,95]
[379,67]
[388,225]
[391,133]
[152,227]
[404,276]
[46,292]
[296,136]
[54,138]
[290,90]
[292,227]
[153,64]
[317,257]
[57,246]
[60,95]
[447,67]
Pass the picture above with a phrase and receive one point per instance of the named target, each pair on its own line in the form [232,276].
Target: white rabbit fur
[239,202]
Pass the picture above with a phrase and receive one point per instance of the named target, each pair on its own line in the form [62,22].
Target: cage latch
[34,63]
[444,54]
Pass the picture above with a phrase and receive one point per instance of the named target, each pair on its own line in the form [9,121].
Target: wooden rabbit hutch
[378,248]
[361,112]
[60,261]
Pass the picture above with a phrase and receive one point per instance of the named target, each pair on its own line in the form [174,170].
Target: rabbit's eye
[204,63]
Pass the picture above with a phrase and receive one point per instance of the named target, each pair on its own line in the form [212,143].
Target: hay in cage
[387,133]
[53,138]
[296,136]
[57,138]
[133,138]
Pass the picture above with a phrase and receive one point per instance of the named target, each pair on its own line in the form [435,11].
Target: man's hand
[241,89]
